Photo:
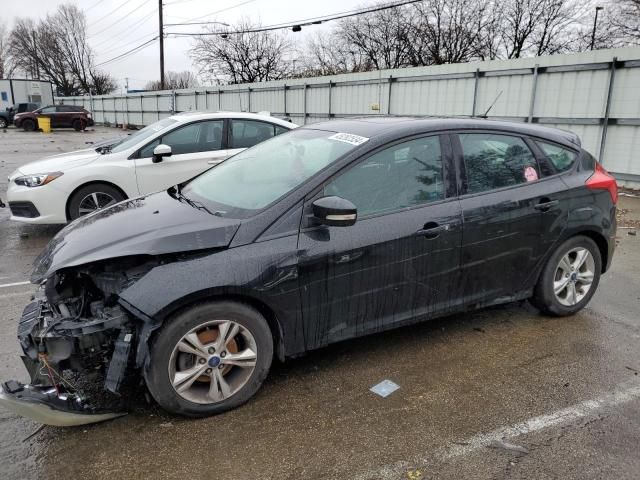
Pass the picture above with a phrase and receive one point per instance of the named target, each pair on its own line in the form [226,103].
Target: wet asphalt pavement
[499,393]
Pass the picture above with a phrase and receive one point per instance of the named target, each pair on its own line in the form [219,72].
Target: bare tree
[379,39]
[6,66]
[328,54]
[174,81]
[56,48]
[242,57]
[623,19]
[541,27]
[450,31]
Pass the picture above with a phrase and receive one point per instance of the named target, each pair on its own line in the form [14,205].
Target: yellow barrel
[44,124]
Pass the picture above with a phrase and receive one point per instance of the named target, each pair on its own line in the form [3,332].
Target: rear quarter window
[561,158]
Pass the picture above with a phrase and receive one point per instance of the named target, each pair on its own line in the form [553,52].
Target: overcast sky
[115,26]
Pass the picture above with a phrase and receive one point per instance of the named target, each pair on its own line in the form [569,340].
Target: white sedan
[64,187]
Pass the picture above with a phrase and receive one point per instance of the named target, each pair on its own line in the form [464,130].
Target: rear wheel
[3,122]
[209,359]
[79,125]
[28,125]
[570,277]
[93,197]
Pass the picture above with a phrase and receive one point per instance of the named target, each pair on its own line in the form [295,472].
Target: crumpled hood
[60,163]
[155,224]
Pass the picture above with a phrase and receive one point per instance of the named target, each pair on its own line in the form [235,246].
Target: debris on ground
[384,388]
[624,222]
[501,444]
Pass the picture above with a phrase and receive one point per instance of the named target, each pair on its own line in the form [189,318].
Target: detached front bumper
[44,405]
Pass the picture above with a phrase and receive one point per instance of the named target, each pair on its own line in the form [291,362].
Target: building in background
[20,90]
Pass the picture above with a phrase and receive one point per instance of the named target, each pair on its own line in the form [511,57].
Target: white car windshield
[141,135]
[257,177]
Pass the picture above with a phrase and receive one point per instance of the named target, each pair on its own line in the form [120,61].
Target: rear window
[561,158]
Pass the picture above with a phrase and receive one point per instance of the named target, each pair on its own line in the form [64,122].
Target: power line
[126,29]
[212,13]
[299,23]
[106,15]
[94,5]
[120,19]
[129,52]
[146,36]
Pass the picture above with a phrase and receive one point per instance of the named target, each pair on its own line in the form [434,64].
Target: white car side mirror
[160,152]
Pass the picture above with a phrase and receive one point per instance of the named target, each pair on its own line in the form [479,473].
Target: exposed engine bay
[78,342]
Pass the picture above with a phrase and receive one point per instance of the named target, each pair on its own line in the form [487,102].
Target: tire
[196,401]
[568,300]
[28,125]
[83,200]
[3,123]
[79,125]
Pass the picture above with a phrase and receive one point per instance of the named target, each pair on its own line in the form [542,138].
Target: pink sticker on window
[530,174]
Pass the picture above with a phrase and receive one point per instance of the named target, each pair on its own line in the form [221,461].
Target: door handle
[545,204]
[432,230]
[214,162]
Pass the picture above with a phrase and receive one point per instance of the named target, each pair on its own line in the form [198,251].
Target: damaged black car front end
[83,346]
[77,346]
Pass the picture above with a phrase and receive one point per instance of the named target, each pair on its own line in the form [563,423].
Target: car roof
[190,116]
[401,126]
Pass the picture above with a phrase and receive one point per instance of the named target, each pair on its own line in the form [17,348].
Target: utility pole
[595,24]
[161,38]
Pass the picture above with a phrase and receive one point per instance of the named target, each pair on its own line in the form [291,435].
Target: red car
[62,116]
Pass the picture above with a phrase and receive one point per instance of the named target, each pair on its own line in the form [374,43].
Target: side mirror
[335,211]
[160,152]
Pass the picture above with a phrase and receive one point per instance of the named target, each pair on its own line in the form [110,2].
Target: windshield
[256,177]
[141,135]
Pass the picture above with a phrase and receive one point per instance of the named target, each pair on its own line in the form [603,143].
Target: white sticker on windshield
[349,138]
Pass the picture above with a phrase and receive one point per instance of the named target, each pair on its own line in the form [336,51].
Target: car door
[399,261]
[245,133]
[510,213]
[63,117]
[195,147]
[50,112]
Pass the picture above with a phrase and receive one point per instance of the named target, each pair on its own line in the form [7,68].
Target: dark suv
[62,116]
[6,117]
[325,233]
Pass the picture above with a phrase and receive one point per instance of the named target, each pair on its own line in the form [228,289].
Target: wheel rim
[574,276]
[95,201]
[212,362]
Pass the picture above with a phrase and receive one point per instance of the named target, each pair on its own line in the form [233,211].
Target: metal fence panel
[594,94]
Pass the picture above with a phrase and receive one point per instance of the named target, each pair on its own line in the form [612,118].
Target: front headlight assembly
[37,179]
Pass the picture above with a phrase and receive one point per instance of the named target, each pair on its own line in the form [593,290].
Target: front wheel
[3,122]
[93,197]
[209,359]
[570,278]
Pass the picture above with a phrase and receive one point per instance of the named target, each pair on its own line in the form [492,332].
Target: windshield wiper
[197,205]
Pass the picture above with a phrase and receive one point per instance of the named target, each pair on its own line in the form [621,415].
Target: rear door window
[561,158]
[247,133]
[494,161]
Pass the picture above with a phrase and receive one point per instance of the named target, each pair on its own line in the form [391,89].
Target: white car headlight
[38,179]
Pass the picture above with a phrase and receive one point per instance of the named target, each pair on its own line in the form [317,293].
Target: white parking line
[623,393]
[15,284]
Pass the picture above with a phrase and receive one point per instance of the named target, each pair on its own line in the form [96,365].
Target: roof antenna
[491,106]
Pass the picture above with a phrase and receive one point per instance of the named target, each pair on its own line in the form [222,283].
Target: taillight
[603,180]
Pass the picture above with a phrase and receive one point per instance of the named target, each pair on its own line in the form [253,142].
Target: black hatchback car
[328,232]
